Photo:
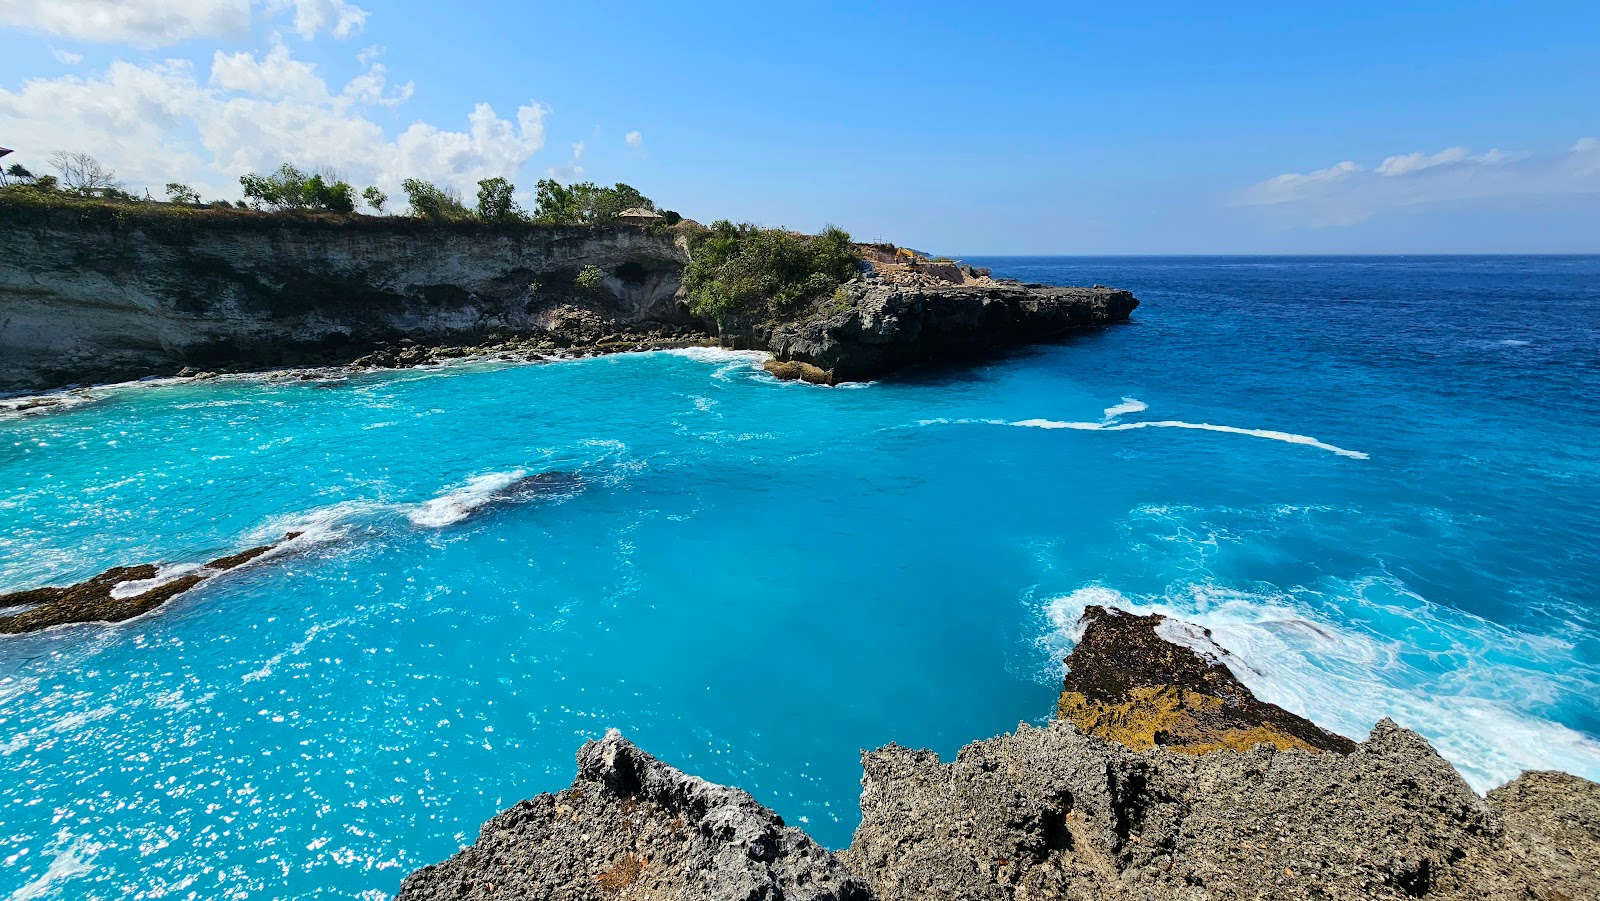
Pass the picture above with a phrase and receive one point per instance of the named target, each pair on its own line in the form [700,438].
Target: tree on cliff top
[744,269]
[495,203]
[585,203]
[84,174]
[430,201]
[291,189]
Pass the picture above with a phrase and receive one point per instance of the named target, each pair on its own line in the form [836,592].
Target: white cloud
[311,17]
[158,23]
[634,139]
[163,122]
[571,171]
[66,57]
[1349,193]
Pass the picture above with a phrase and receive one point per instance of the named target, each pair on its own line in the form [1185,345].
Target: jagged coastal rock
[877,328]
[633,827]
[1183,814]
[111,294]
[1127,683]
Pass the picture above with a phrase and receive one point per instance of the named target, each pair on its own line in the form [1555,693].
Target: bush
[430,201]
[744,269]
[589,279]
[291,189]
[375,198]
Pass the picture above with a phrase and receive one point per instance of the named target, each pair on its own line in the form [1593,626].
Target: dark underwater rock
[633,827]
[95,601]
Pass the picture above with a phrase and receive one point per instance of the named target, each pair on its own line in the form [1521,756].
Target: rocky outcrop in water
[875,328]
[120,593]
[1127,683]
[1058,813]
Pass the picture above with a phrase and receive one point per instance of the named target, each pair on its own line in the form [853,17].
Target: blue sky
[1040,128]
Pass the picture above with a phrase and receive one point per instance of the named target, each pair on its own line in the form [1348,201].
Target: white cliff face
[117,298]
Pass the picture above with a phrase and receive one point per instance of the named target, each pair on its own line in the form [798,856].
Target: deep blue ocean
[1377,480]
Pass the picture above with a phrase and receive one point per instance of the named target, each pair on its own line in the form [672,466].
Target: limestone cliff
[104,295]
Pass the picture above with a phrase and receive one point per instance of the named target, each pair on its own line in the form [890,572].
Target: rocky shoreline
[110,300]
[1166,780]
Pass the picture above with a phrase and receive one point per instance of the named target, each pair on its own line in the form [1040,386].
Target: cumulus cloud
[634,139]
[1349,193]
[158,23]
[168,121]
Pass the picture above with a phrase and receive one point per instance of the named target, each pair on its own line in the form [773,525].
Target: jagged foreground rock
[1051,813]
[1058,813]
[633,827]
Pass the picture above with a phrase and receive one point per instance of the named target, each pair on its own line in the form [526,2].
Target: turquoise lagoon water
[754,580]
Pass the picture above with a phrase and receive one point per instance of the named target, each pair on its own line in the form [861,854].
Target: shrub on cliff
[742,269]
[430,201]
[291,189]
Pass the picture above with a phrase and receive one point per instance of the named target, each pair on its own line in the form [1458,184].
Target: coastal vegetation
[84,183]
[745,270]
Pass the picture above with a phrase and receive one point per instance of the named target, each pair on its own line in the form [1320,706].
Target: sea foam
[1345,677]
[1112,423]
[457,504]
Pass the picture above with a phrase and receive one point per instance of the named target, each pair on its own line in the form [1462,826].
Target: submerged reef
[1163,778]
[120,593]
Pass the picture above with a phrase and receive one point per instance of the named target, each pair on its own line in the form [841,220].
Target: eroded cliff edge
[109,294]
[1062,812]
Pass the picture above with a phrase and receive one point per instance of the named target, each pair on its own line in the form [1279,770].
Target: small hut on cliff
[638,215]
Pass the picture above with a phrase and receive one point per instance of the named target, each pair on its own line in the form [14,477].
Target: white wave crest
[1129,405]
[459,503]
[164,574]
[1345,677]
[72,860]
[719,355]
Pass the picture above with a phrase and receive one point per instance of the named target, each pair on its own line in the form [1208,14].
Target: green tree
[291,189]
[375,198]
[430,201]
[495,203]
[178,192]
[584,203]
[742,269]
[554,203]
[606,204]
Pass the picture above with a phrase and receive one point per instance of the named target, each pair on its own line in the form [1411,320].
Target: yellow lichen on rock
[794,370]
[1166,716]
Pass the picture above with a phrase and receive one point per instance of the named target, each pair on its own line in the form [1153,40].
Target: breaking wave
[1461,681]
[1112,423]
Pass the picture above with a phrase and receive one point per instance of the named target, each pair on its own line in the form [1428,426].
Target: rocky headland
[96,295]
[1163,778]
